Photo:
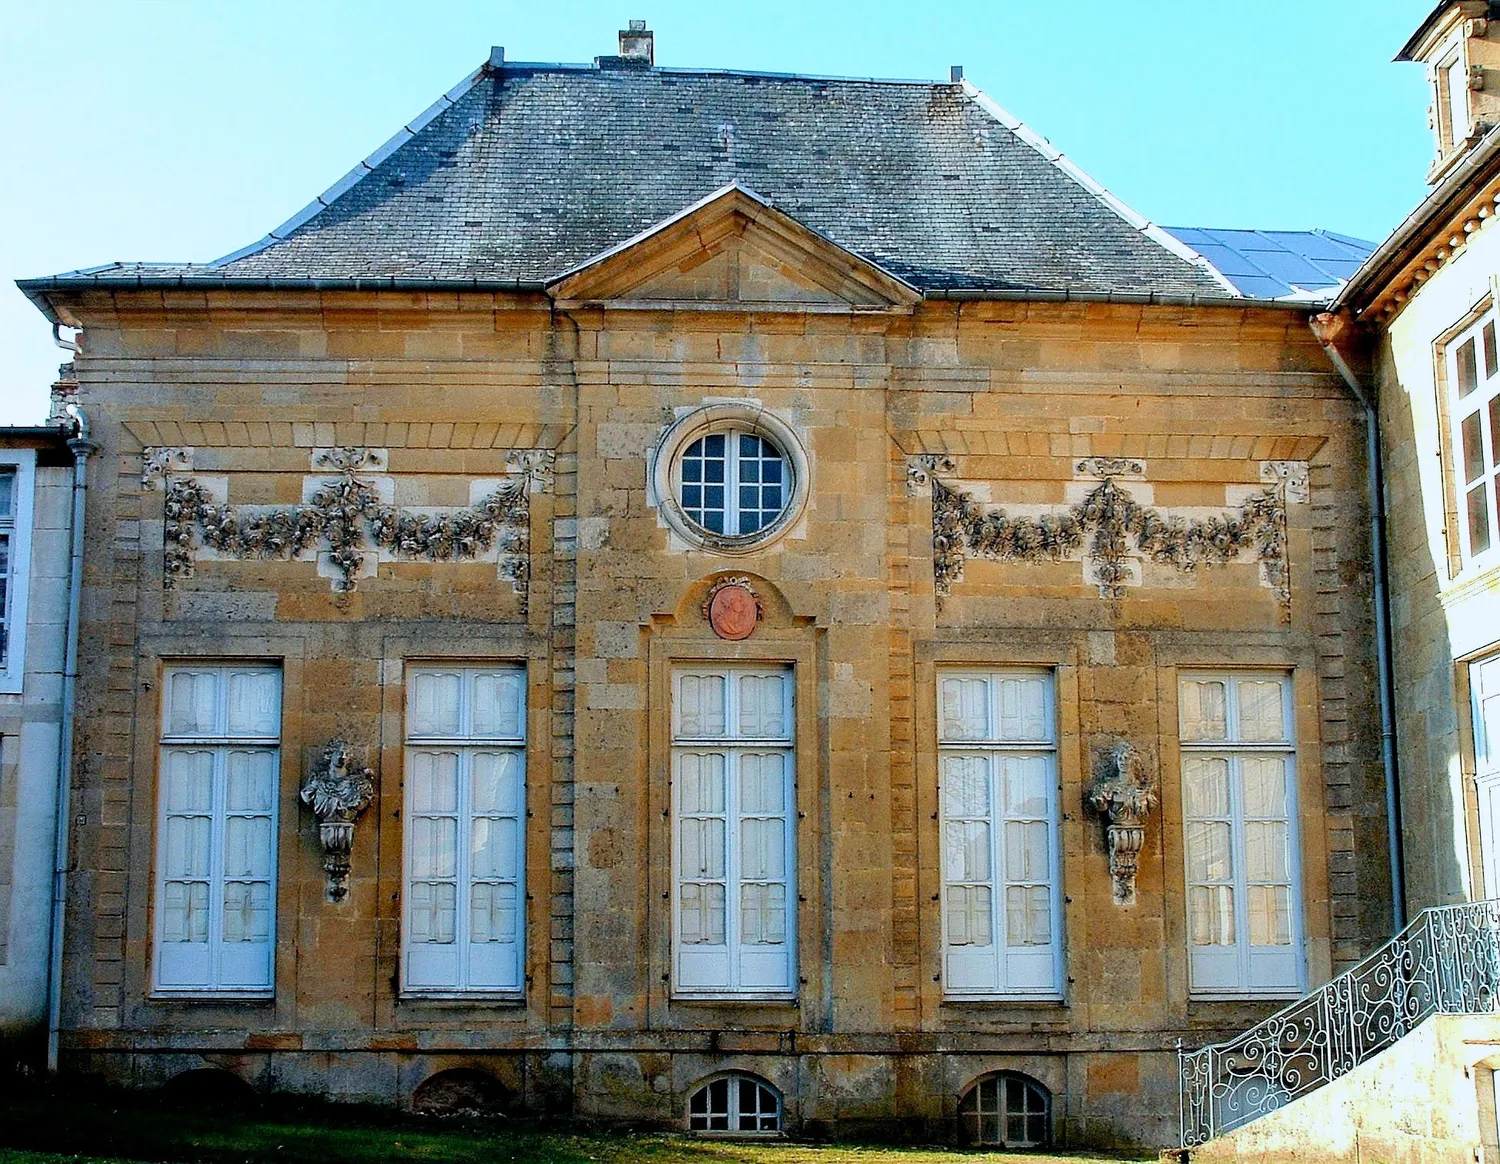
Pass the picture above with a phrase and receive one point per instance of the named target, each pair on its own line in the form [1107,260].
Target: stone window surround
[666,649]
[1196,651]
[1450,452]
[1237,747]
[23,463]
[993,746]
[720,416]
[463,879]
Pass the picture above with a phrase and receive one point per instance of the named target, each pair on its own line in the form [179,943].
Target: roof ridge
[1111,202]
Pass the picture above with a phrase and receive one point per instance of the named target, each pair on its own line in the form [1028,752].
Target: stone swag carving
[1107,525]
[337,792]
[346,519]
[1123,793]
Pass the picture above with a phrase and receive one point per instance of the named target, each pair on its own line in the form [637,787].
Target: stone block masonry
[1004,401]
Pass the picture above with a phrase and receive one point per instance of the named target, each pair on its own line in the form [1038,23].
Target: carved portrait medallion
[732,611]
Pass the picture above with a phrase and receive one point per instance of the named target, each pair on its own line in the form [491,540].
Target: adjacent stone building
[36,479]
[653,599]
[1420,314]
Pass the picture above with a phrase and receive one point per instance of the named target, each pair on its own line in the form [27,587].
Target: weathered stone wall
[1443,615]
[449,387]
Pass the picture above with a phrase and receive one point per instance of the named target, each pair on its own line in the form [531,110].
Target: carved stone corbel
[1123,793]
[337,793]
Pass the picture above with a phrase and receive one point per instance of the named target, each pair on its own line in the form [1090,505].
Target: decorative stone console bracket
[1123,793]
[337,793]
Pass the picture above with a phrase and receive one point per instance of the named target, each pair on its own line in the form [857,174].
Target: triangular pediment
[734,249]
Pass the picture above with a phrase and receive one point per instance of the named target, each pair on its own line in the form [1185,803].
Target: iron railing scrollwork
[1446,962]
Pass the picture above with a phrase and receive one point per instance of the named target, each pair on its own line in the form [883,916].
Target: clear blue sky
[182,129]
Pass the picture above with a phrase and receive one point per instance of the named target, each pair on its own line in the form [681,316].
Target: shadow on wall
[1426,706]
[462,1090]
[210,1088]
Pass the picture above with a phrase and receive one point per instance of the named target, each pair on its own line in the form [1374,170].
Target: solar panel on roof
[1271,264]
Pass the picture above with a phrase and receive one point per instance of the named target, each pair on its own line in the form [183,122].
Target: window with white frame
[1239,812]
[997,775]
[735,1105]
[216,830]
[733,832]
[16,476]
[465,859]
[1473,364]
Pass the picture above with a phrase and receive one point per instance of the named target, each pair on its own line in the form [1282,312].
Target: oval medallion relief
[732,609]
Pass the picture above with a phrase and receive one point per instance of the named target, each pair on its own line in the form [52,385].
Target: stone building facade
[715,648]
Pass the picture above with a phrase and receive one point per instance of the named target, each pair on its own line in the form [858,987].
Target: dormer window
[1451,105]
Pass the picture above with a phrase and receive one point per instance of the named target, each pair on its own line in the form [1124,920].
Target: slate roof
[1279,264]
[526,170]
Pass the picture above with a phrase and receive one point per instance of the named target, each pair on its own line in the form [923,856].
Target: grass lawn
[112,1128]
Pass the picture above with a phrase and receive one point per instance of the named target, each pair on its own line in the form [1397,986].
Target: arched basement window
[735,1104]
[1008,1111]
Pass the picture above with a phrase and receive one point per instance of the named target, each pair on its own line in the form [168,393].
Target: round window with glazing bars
[732,483]
[729,477]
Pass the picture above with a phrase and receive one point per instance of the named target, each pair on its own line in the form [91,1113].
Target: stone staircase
[1447,962]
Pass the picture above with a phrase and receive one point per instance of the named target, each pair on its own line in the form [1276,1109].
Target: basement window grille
[735,1104]
[1006,1111]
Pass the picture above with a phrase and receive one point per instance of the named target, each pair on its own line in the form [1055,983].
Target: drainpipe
[82,448]
[1328,329]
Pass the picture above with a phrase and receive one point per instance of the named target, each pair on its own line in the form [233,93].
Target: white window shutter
[216,890]
[733,833]
[464,911]
[1239,842]
[997,772]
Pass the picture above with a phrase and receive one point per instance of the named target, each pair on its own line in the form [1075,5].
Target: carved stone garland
[1106,525]
[348,519]
[337,792]
[1123,793]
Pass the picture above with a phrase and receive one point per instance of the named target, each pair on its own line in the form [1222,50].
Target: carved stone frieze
[1123,793]
[1103,467]
[351,460]
[1291,476]
[337,792]
[921,468]
[159,460]
[1112,532]
[345,521]
[535,465]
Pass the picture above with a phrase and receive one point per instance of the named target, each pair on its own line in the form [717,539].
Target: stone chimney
[637,43]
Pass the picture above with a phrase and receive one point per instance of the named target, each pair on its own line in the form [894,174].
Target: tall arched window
[1006,1110]
[735,1104]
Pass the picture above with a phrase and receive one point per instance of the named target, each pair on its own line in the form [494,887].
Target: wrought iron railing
[1446,962]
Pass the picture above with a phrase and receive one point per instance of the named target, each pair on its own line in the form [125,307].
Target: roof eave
[1142,298]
